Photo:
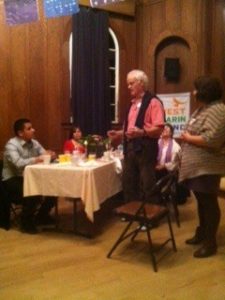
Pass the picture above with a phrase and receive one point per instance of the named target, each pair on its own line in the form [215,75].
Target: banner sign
[177,108]
[95,3]
[59,8]
[20,11]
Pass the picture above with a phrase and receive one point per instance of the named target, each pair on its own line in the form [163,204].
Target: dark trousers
[209,215]
[14,188]
[4,208]
[138,176]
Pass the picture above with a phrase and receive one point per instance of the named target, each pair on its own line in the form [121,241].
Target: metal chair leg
[75,215]
[171,233]
[154,264]
[120,239]
[56,214]
[176,212]
[13,210]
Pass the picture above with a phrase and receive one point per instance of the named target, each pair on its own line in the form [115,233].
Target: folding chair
[148,215]
[169,197]
[15,210]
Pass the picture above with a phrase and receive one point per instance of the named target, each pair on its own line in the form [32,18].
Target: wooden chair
[148,215]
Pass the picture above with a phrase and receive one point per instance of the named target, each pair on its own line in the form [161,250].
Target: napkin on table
[118,165]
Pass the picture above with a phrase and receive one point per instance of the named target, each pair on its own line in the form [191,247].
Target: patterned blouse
[209,122]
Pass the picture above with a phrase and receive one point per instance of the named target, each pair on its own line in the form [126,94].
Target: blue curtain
[90,71]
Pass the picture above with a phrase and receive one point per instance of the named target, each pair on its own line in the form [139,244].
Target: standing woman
[203,160]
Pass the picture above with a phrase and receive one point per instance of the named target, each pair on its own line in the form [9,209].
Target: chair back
[165,188]
[164,184]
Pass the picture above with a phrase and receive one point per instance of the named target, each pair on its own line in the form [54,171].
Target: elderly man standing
[20,151]
[143,126]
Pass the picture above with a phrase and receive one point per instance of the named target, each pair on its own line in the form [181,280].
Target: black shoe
[28,225]
[45,220]
[123,219]
[195,240]
[198,238]
[30,229]
[205,251]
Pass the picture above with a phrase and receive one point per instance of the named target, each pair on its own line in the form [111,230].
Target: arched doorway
[173,48]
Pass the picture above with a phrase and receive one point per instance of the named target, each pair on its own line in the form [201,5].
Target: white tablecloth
[93,182]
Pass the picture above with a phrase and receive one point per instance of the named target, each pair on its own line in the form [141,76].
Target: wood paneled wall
[217,41]
[34,59]
[163,24]
[34,74]
[34,77]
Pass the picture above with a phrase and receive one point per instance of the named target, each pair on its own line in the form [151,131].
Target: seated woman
[169,152]
[74,144]
[168,160]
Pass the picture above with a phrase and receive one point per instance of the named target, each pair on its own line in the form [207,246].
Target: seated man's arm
[15,157]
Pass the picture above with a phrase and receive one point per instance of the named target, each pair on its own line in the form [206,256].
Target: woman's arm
[197,140]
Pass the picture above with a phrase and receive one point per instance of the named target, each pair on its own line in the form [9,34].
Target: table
[93,182]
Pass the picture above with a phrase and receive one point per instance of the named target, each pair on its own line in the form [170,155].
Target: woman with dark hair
[203,160]
[168,152]
[74,144]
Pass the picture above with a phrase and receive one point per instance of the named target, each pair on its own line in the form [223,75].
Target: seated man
[20,151]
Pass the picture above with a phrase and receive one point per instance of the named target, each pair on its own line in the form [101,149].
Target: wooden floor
[57,265]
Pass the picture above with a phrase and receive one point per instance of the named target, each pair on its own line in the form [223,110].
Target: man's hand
[185,136]
[135,132]
[114,134]
[52,153]
[160,167]
[38,159]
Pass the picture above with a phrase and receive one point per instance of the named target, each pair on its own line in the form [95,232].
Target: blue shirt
[18,154]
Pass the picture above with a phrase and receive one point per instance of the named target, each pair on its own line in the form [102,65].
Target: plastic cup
[91,156]
[46,159]
[106,155]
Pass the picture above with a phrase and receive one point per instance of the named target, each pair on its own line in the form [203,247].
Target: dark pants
[14,188]
[209,216]
[138,176]
[4,208]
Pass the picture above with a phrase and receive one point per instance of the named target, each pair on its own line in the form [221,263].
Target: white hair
[140,76]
